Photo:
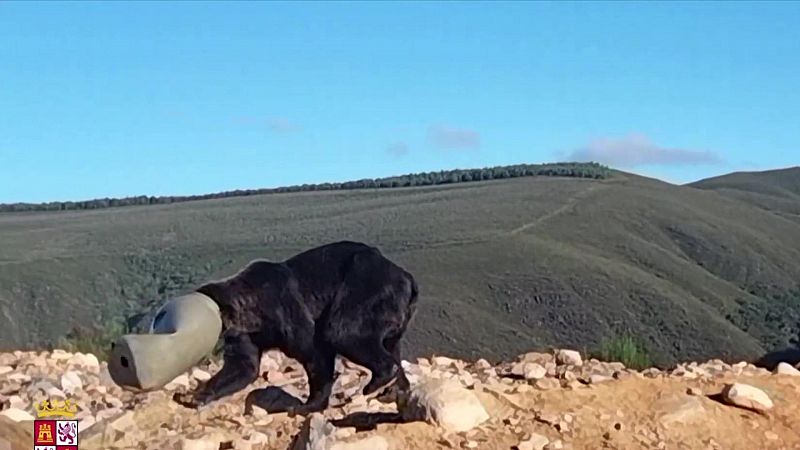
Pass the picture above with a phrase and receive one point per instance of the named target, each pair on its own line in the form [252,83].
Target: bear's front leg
[242,361]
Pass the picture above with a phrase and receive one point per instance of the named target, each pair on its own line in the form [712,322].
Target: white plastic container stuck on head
[183,331]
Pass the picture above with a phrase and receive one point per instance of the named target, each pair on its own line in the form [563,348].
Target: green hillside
[774,190]
[503,266]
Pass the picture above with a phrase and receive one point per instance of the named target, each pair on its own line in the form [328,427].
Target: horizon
[399,174]
[115,100]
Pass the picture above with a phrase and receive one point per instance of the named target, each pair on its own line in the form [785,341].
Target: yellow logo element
[50,408]
[45,433]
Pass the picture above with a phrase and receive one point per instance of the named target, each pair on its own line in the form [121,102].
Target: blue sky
[117,99]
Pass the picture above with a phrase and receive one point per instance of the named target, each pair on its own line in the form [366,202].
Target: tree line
[579,170]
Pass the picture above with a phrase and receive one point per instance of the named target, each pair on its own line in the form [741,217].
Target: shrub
[94,340]
[625,349]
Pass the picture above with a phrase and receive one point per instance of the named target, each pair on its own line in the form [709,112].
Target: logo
[55,434]
[50,408]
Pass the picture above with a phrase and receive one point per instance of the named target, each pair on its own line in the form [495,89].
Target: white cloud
[446,137]
[637,150]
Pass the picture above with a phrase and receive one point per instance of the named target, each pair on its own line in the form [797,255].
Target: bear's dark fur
[343,298]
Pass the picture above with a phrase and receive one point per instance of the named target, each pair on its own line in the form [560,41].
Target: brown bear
[343,298]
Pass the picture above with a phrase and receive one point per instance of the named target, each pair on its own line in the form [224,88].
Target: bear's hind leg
[392,394]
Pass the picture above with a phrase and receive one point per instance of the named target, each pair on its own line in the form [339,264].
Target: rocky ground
[540,401]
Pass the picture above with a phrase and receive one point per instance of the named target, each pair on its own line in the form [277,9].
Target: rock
[771,436]
[199,444]
[55,392]
[569,358]
[42,386]
[200,375]
[108,413]
[535,442]
[523,388]
[786,369]
[482,364]
[79,359]
[443,361]
[15,401]
[15,435]
[106,382]
[547,384]
[60,355]
[597,378]
[258,438]
[370,443]
[534,371]
[19,378]
[124,423]
[679,410]
[86,423]
[16,414]
[71,382]
[445,403]
[6,369]
[181,381]
[746,396]
[315,434]
[694,391]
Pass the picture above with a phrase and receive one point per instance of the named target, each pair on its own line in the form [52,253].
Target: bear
[344,298]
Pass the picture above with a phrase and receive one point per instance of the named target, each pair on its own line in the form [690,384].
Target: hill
[774,190]
[504,266]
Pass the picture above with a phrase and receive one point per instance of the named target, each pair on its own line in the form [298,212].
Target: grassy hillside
[503,266]
[774,190]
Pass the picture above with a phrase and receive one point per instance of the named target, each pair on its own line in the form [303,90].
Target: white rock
[19,377]
[536,442]
[315,434]
[482,364]
[55,392]
[443,361]
[257,438]
[86,423]
[518,369]
[679,409]
[181,380]
[105,378]
[200,375]
[15,401]
[746,396]
[787,369]
[108,413]
[547,384]
[446,403]
[78,359]
[91,362]
[199,444]
[71,382]
[370,443]
[42,385]
[569,357]
[555,445]
[534,371]
[5,369]
[597,378]
[16,414]
[60,355]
